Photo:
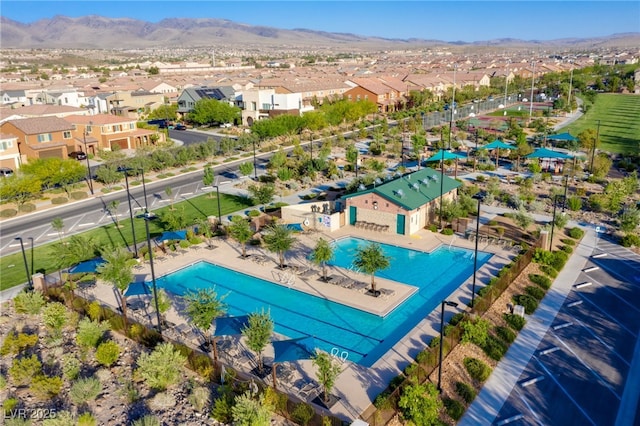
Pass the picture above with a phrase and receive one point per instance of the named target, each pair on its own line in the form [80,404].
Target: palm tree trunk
[123,303]
[373,284]
[324,271]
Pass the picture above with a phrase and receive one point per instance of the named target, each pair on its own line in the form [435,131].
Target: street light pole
[475,258]
[593,152]
[147,217]
[553,222]
[453,103]
[441,185]
[133,228]
[255,163]
[219,211]
[32,266]
[533,79]
[86,153]
[453,304]
[26,265]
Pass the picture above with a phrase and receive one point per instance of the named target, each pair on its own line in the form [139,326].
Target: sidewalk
[497,389]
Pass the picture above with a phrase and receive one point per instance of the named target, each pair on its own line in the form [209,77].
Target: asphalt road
[580,373]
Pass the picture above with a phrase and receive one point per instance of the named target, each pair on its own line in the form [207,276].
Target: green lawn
[619,117]
[12,268]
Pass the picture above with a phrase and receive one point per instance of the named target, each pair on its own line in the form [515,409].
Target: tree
[20,188]
[112,208]
[164,303]
[321,254]
[208,177]
[208,110]
[246,168]
[248,411]
[629,219]
[54,317]
[279,239]
[117,270]
[108,174]
[240,230]
[420,403]
[328,371]
[262,193]
[370,259]
[522,219]
[162,367]
[168,191]
[258,332]
[202,308]
[58,225]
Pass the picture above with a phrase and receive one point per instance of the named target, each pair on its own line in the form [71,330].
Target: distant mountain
[97,32]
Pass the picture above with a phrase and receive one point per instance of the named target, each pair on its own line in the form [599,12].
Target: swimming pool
[364,336]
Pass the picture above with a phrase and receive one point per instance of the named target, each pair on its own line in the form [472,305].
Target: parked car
[180,126]
[5,172]
[78,155]
[223,125]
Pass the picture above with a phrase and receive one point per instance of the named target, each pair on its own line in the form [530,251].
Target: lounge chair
[386,293]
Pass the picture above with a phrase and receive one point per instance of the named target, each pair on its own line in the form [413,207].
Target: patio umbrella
[228,326]
[139,288]
[88,266]
[497,145]
[541,153]
[562,137]
[172,235]
[292,350]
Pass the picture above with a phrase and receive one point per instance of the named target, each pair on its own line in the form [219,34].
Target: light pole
[442,305]
[533,79]
[144,189]
[26,265]
[593,152]
[441,184]
[147,217]
[255,163]
[475,257]
[86,153]
[553,222]
[133,228]
[569,95]
[219,211]
[32,266]
[453,103]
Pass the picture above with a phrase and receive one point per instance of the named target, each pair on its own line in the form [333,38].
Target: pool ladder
[342,355]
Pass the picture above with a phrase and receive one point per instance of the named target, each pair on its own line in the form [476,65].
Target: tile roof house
[403,205]
[384,92]
[9,154]
[189,96]
[40,137]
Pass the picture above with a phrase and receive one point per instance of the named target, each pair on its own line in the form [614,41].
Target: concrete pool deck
[356,386]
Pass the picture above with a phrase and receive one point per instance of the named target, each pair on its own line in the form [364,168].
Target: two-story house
[258,104]
[376,90]
[9,154]
[189,96]
[40,137]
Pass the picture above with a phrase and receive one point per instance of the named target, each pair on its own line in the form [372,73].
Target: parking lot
[581,371]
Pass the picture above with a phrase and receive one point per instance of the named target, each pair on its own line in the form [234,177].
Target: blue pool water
[364,336]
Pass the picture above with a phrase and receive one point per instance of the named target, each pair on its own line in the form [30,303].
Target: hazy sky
[441,20]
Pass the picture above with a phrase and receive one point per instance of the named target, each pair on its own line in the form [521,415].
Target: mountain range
[98,32]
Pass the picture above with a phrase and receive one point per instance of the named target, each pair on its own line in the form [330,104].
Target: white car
[223,125]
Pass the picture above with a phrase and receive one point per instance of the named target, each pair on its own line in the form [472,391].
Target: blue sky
[441,20]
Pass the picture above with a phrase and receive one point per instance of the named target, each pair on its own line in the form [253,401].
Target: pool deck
[356,385]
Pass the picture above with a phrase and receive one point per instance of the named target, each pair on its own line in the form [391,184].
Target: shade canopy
[229,326]
[294,349]
[497,144]
[547,153]
[88,266]
[172,235]
[139,288]
[443,155]
[562,137]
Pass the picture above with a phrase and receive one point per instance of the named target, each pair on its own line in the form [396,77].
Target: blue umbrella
[547,153]
[562,137]
[228,326]
[172,235]
[139,288]
[294,349]
[88,266]
[446,155]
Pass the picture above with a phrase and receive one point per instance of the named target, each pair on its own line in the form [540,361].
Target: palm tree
[371,259]
[117,270]
[240,231]
[279,239]
[322,253]
[202,308]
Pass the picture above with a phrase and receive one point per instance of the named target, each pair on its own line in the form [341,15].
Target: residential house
[189,96]
[134,104]
[258,104]
[13,97]
[40,137]
[9,154]
[400,206]
[376,90]
[38,110]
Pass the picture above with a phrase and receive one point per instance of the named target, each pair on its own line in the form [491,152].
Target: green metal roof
[414,189]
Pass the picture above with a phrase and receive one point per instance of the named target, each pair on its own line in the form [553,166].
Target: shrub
[78,195]
[447,231]
[302,413]
[433,227]
[567,249]
[199,397]
[542,256]
[630,240]
[45,387]
[506,334]
[23,370]
[3,381]
[59,200]
[8,212]
[90,333]
[541,280]
[222,408]
[529,302]
[15,343]
[54,316]
[28,302]
[535,292]
[466,392]
[162,368]
[455,320]
[559,259]
[70,367]
[85,390]
[475,331]
[107,353]
[477,369]
[86,419]
[494,348]
[454,408]
[254,213]
[515,321]
[147,420]
[94,310]
[574,203]
[27,208]
[549,270]
[162,401]
[568,241]
[575,233]
[9,405]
